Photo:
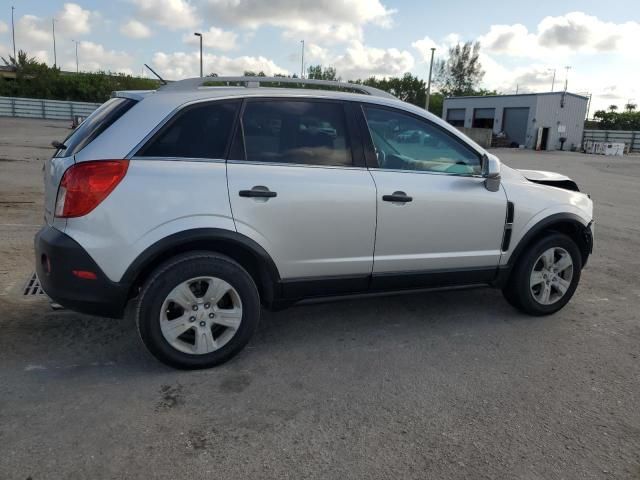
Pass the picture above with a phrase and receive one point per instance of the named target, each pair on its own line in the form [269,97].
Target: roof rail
[254,82]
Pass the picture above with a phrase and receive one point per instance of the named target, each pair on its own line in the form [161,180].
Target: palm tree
[630,107]
[613,108]
[23,61]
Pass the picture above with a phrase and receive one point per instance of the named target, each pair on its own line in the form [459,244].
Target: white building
[536,120]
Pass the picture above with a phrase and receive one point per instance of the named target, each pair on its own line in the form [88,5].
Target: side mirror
[491,172]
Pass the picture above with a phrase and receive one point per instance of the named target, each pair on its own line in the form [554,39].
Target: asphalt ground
[431,385]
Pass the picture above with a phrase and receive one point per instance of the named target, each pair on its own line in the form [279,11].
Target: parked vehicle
[204,204]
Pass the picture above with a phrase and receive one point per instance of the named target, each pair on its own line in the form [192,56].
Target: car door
[299,188]
[435,215]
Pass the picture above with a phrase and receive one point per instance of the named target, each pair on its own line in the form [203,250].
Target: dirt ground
[430,385]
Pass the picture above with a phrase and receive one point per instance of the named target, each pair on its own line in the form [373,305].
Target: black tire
[517,291]
[180,269]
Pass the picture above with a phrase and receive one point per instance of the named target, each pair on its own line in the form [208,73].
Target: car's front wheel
[546,276]
[198,310]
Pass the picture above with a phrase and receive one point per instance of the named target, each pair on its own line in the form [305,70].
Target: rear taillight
[86,184]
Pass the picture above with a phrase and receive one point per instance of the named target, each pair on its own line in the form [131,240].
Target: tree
[407,88]
[613,108]
[630,107]
[461,72]
[318,72]
[37,80]
[23,62]
[251,73]
[629,120]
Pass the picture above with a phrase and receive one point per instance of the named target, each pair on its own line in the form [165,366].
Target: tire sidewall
[166,278]
[522,289]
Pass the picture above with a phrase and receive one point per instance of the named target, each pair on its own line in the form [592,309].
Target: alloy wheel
[201,315]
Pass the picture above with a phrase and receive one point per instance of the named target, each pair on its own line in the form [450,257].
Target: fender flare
[153,254]
[545,224]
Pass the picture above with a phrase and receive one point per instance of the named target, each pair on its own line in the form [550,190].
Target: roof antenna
[164,82]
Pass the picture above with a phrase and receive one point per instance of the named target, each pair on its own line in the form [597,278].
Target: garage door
[514,124]
[483,117]
[455,116]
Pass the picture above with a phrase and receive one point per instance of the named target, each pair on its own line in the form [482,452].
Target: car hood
[537,175]
[550,178]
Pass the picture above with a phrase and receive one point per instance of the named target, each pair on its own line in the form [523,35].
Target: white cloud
[34,35]
[537,77]
[572,33]
[73,20]
[424,45]
[329,20]
[173,14]
[179,65]
[215,38]
[31,33]
[135,29]
[93,57]
[510,40]
[360,61]
[3,27]
[314,54]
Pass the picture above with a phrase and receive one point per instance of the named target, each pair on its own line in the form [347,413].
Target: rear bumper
[57,256]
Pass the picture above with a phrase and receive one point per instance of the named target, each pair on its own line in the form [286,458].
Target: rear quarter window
[96,123]
[198,131]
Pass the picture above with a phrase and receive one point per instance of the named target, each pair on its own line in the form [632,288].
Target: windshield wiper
[58,146]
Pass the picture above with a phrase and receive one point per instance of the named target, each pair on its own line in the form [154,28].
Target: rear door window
[296,132]
[198,131]
[96,123]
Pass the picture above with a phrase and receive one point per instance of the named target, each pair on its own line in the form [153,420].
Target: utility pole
[553,79]
[517,88]
[13,35]
[302,61]
[53,27]
[197,34]
[77,64]
[566,78]
[426,105]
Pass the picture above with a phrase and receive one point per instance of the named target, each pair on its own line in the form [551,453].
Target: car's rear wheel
[546,276]
[198,310]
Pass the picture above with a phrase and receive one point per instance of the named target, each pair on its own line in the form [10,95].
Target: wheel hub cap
[551,276]
[201,315]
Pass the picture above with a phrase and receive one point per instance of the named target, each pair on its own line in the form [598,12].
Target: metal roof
[519,95]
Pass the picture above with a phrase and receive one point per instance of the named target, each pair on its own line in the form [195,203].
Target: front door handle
[398,197]
[259,191]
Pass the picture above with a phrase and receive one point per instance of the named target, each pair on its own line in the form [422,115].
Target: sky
[522,43]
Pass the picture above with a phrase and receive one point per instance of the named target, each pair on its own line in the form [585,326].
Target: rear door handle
[259,191]
[398,197]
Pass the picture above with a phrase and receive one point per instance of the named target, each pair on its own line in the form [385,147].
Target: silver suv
[201,203]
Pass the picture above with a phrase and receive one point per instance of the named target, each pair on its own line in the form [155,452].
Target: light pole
[553,79]
[13,35]
[197,34]
[302,60]
[53,28]
[77,64]
[566,78]
[426,104]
